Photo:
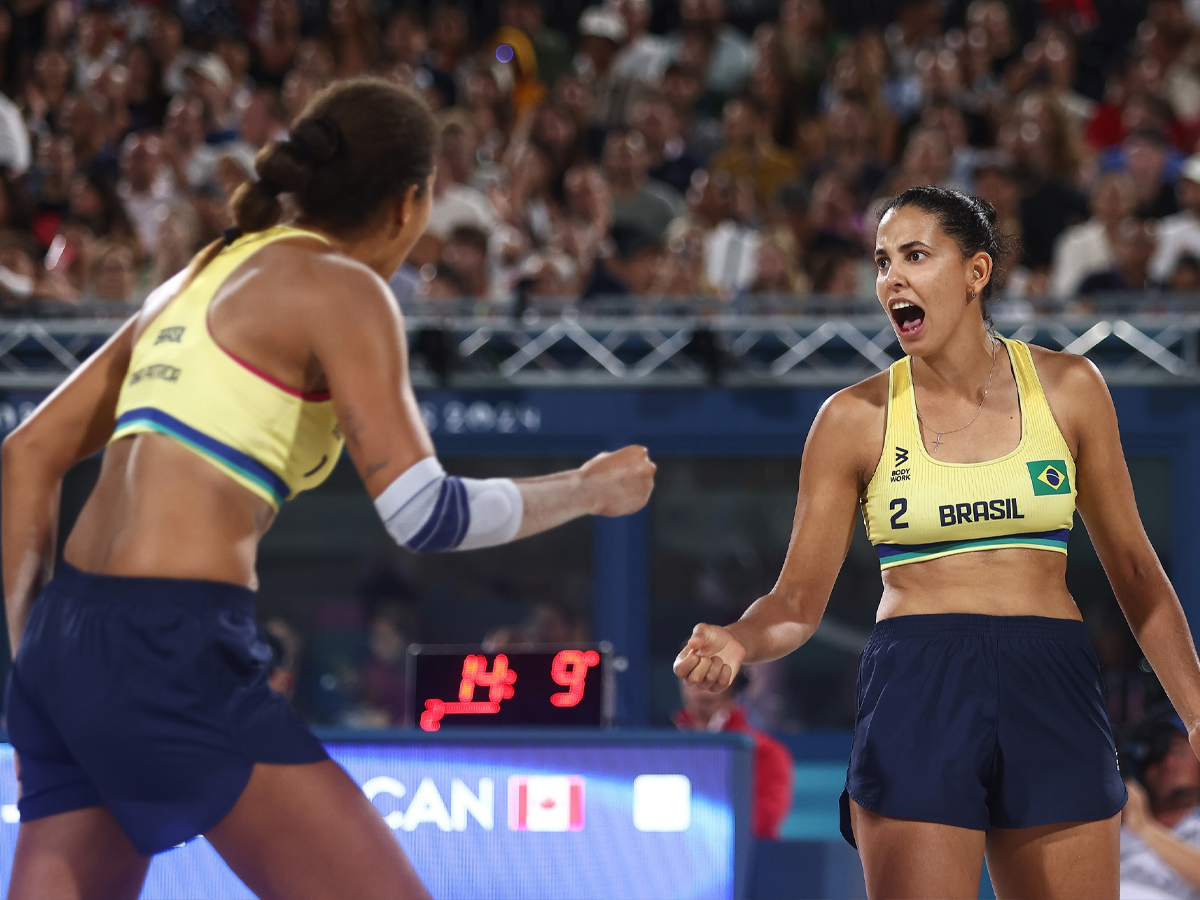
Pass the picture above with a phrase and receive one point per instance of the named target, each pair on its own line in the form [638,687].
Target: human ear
[403,209]
[979,273]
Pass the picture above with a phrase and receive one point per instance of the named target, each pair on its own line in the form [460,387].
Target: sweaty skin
[312,316]
[952,352]
[921,266]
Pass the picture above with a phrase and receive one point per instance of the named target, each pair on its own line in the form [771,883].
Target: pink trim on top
[313,396]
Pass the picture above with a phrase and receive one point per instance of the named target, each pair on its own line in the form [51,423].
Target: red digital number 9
[570,669]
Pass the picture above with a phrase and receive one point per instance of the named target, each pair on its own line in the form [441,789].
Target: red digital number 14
[570,669]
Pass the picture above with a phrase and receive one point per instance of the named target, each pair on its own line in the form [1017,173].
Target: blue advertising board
[509,814]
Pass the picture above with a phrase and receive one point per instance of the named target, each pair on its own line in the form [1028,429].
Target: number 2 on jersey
[900,505]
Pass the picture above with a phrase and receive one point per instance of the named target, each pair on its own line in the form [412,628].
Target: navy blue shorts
[148,696]
[982,722]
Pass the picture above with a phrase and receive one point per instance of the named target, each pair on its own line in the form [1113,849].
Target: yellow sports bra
[270,438]
[917,507]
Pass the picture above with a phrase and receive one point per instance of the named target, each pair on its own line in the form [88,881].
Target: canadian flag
[545,803]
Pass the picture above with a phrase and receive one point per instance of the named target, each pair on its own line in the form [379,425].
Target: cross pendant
[937,441]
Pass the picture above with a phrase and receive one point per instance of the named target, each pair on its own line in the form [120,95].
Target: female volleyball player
[138,702]
[981,722]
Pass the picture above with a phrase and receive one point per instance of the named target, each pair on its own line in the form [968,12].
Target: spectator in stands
[190,159]
[643,56]
[585,219]
[210,80]
[835,272]
[749,150]
[682,86]
[466,255]
[94,201]
[1160,834]
[449,36]
[145,187]
[1132,252]
[1185,277]
[631,267]
[601,32]
[97,46]
[1179,234]
[147,100]
[276,38]
[382,675]
[1145,156]
[772,766]
[1049,203]
[82,118]
[730,55]
[776,265]
[926,160]
[638,201]
[730,248]
[260,118]
[112,273]
[670,159]
[1085,249]
[552,49]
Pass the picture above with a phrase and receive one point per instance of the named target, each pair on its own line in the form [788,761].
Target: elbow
[22,446]
[1136,571]
[14,447]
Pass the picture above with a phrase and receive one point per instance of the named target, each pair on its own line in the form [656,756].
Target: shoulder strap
[902,433]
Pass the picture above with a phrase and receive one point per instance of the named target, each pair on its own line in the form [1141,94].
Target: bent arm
[358,336]
[1106,502]
[71,424]
[826,506]
[831,474]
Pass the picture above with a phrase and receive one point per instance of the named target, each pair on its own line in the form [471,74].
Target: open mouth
[907,316]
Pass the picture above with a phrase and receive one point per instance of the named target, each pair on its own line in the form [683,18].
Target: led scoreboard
[528,685]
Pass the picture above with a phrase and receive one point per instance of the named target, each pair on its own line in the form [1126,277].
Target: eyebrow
[908,245]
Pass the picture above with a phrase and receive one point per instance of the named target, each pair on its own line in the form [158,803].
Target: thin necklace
[938,440]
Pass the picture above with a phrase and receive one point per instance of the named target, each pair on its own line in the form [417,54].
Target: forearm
[29,502]
[553,500]
[1162,631]
[1179,855]
[771,628]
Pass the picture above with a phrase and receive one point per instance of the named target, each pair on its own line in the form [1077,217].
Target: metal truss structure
[679,347]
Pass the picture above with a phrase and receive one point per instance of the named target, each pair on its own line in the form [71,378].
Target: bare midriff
[1006,582]
[160,511]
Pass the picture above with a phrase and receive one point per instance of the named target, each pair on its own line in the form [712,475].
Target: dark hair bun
[358,145]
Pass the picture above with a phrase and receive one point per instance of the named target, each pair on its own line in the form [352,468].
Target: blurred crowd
[662,148]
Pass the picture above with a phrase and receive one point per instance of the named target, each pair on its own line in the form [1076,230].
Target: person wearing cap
[1179,234]
[601,34]
[210,78]
[1160,833]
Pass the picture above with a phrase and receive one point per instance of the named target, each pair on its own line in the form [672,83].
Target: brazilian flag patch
[1049,476]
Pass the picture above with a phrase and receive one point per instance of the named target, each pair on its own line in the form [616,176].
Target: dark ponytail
[359,145]
[971,222]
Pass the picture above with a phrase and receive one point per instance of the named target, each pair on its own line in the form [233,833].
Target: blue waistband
[956,625]
[86,586]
